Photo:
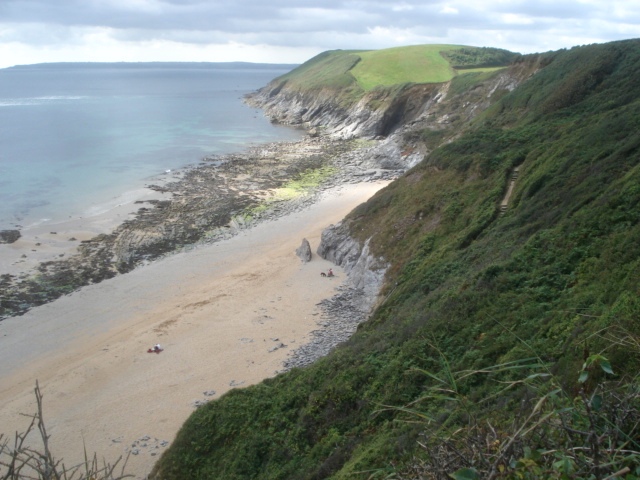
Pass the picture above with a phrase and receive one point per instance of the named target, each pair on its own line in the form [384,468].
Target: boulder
[304,251]
[9,236]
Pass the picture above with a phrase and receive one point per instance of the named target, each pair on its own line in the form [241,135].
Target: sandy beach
[226,314]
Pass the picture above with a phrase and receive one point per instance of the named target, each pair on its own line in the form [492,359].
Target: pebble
[145,444]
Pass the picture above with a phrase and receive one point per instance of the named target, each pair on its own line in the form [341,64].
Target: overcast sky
[292,31]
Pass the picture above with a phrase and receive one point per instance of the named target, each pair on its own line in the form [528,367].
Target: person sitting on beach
[330,273]
[157,348]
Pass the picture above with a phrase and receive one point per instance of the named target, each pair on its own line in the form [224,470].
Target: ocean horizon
[74,136]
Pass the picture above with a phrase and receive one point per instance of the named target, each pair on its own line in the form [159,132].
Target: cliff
[507,345]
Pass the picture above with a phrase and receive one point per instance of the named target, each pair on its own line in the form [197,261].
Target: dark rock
[9,236]
[304,251]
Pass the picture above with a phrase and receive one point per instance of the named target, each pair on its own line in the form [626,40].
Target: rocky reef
[9,236]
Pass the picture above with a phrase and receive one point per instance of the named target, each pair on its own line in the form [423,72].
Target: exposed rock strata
[365,272]
[342,314]
[378,113]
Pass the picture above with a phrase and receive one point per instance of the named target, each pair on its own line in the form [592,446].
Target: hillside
[348,93]
[506,343]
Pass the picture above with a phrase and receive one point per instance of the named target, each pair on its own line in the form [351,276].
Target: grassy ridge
[360,71]
[548,285]
[328,70]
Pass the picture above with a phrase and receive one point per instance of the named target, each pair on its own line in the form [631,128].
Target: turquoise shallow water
[75,135]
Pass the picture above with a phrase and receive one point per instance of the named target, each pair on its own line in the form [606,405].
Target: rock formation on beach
[9,236]
[304,251]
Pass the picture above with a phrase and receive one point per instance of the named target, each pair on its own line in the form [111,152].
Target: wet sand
[50,241]
[226,314]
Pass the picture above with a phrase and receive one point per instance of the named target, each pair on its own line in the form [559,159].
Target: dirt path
[505,201]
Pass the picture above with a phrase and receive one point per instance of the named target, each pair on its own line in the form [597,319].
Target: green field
[354,72]
[415,64]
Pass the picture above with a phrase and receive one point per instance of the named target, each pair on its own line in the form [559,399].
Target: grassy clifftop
[368,69]
[508,343]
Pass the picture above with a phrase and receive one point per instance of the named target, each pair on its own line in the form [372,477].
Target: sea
[73,136]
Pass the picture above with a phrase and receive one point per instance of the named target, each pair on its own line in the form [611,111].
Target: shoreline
[203,203]
[228,315]
[228,299]
[52,240]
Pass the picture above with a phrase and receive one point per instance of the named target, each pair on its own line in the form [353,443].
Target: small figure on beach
[156,349]
[330,273]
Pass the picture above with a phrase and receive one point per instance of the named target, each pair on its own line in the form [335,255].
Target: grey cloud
[257,14]
[320,23]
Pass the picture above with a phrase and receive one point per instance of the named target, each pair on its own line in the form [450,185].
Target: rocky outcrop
[9,236]
[377,113]
[365,272]
[383,112]
[352,305]
[304,251]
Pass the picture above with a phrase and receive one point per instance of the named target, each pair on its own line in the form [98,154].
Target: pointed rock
[304,251]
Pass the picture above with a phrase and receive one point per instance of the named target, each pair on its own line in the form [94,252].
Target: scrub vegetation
[507,344]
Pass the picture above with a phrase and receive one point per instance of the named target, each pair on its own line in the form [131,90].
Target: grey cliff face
[354,301]
[365,272]
[385,112]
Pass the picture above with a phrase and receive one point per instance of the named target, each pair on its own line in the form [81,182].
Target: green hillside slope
[508,344]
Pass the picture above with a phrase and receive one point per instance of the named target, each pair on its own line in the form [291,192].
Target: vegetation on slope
[474,57]
[507,345]
[326,70]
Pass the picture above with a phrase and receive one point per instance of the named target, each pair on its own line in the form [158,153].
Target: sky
[292,31]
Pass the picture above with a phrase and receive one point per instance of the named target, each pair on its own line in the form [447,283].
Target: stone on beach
[304,251]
